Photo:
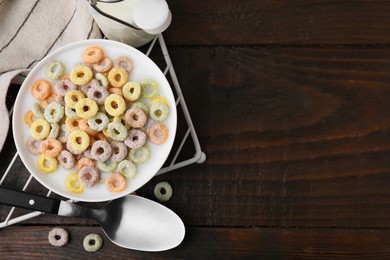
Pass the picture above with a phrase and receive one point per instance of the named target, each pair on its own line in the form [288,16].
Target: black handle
[27,200]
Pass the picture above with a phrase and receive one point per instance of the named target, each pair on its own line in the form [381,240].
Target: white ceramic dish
[70,55]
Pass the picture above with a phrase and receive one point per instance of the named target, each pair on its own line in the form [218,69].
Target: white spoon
[131,221]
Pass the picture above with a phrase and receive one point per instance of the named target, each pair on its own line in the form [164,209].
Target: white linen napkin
[29,30]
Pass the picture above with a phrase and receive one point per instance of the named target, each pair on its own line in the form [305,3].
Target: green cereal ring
[55,130]
[54,112]
[98,122]
[140,155]
[71,113]
[131,91]
[37,111]
[141,105]
[159,111]
[86,108]
[107,166]
[72,97]
[163,191]
[149,88]
[103,81]
[127,169]
[117,131]
[92,242]
[55,69]
[40,129]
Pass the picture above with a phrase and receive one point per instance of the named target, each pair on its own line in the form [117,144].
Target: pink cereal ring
[124,62]
[136,117]
[103,66]
[135,139]
[66,159]
[88,176]
[58,237]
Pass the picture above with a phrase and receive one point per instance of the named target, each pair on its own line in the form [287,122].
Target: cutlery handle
[27,200]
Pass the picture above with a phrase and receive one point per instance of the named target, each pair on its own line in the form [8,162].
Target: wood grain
[281,22]
[30,242]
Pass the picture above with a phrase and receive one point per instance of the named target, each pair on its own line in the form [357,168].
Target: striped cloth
[29,30]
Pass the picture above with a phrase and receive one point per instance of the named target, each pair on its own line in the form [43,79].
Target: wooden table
[290,100]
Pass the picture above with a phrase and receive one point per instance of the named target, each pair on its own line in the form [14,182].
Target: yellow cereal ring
[40,129]
[79,140]
[118,77]
[93,54]
[81,75]
[28,118]
[72,124]
[131,91]
[41,89]
[47,165]
[73,184]
[115,105]
[160,99]
[86,108]
[72,97]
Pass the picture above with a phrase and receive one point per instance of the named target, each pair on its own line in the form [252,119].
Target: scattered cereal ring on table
[92,242]
[98,93]
[88,176]
[33,146]
[136,117]
[140,155]
[119,151]
[73,184]
[135,139]
[63,86]
[54,112]
[127,169]
[104,65]
[93,54]
[28,118]
[85,162]
[159,111]
[117,77]
[46,164]
[78,140]
[41,89]
[72,98]
[149,88]
[117,131]
[55,69]
[66,159]
[81,75]
[163,191]
[115,105]
[86,108]
[40,129]
[98,122]
[58,237]
[50,148]
[158,133]
[124,62]
[116,182]
[131,91]
[101,150]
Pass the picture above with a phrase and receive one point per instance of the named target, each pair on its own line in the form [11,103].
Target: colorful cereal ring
[73,97]
[136,117]
[47,165]
[135,139]
[102,79]
[54,131]
[86,108]
[117,131]
[81,75]
[72,124]
[88,176]
[92,242]
[107,166]
[40,129]
[159,111]
[140,155]
[71,113]
[54,112]
[66,159]
[98,93]
[127,169]
[98,122]
[149,88]
[28,118]
[131,91]
[104,65]
[55,69]
[115,105]
[93,54]
[163,191]
[101,150]
[117,77]
[41,89]
[119,151]
[33,146]
[63,86]
[124,62]
[79,140]
[37,110]
[73,184]
[50,148]
[116,182]
[158,133]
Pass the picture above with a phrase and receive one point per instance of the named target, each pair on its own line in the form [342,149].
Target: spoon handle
[27,200]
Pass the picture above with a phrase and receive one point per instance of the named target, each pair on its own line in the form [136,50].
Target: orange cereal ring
[93,54]
[28,118]
[118,77]
[116,182]
[117,91]
[72,124]
[158,133]
[85,162]
[83,125]
[41,89]
[52,97]
[81,75]
[50,148]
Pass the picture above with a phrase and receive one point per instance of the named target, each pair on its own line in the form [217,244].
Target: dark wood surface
[290,100]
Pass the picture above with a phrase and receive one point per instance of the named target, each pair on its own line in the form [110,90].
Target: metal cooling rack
[199,156]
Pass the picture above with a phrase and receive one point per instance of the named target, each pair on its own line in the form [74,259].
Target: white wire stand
[173,164]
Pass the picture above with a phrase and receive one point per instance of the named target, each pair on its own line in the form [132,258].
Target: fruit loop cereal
[95,121]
